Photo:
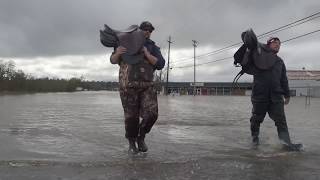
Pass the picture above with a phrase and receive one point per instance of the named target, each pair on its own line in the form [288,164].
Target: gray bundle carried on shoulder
[131,38]
[108,37]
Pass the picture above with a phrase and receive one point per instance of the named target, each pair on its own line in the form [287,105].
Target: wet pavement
[81,136]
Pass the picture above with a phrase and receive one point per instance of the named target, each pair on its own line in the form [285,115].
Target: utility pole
[168,66]
[195,43]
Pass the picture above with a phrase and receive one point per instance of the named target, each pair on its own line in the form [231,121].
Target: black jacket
[271,84]
[155,51]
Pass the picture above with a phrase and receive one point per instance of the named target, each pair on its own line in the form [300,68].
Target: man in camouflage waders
[137,91]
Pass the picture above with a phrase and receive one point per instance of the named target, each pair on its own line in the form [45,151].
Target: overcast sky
[60,38]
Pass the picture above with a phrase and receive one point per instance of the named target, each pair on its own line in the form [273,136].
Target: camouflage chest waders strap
[141,72]
[137,84]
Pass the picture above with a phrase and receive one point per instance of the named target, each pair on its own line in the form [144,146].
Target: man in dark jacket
[269,94]
[137,92]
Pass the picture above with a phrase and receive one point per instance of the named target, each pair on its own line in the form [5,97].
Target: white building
[304,82]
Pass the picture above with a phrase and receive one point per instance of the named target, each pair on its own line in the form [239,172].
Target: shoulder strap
[235,80]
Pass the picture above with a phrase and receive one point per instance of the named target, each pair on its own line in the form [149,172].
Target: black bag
[253,61]
[243,58]
[253,57]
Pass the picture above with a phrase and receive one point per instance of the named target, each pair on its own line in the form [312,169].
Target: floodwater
[81,136]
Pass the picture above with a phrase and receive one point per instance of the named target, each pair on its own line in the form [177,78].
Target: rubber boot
[286,142]
[255,140]
[255,130]
[141,144]
[132,146]
[284,137]
[293,147]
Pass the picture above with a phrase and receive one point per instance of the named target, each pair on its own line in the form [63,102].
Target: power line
[287,26]
[300,36]
[209,62]
[226,58]
[312,15]
[290,25]
[215,52]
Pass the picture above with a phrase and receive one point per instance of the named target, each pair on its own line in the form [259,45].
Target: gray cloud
[43,33]
[51,28]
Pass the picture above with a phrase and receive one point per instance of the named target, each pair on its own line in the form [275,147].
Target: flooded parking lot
[81,136]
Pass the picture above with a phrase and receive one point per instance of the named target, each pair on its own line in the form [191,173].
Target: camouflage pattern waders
[139,99]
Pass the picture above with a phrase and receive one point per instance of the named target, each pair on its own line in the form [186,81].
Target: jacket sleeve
[284,82]
[161,62]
